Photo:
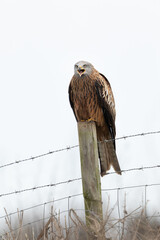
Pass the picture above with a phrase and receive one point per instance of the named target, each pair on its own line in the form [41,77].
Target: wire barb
[73,180]
[72,147]
[133,136]
[38,156]
[135,169]
[67,197]
[39,187]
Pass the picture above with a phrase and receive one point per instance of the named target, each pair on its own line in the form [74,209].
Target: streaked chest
[84,91]
[85,98]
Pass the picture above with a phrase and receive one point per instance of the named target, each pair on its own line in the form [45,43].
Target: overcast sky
[39,43]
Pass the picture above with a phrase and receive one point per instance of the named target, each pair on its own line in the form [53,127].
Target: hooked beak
[80,70]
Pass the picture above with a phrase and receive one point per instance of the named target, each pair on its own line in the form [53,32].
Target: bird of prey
[91,99]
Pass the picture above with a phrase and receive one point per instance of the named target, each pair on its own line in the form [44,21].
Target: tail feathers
[104,158]
[113,157]
[108,157]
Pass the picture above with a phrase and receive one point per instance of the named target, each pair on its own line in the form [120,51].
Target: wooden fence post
[90,170]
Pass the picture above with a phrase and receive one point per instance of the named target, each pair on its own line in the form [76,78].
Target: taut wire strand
[75,146]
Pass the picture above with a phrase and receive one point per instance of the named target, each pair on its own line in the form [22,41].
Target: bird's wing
[106,101]
[71,99]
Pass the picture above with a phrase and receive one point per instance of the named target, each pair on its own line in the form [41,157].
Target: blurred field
[133,226]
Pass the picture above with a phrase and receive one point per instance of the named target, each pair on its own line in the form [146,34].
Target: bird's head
[83,68]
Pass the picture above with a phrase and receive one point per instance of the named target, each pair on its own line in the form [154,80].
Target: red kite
[91,99]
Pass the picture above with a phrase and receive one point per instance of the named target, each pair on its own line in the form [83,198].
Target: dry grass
[133,226]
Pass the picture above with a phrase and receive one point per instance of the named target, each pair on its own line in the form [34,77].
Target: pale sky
[39,43]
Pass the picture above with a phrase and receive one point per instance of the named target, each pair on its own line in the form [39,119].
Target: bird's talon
[90,120]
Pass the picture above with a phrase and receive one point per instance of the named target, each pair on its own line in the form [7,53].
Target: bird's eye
[85,65]
[76,66]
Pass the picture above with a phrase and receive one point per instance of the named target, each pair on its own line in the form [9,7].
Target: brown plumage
[91,99]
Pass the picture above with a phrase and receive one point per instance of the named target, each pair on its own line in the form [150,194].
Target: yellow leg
[90,120]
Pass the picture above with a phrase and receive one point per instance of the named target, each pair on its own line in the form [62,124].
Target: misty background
[40,41]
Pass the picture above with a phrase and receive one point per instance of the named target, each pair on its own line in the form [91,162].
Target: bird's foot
[90,120]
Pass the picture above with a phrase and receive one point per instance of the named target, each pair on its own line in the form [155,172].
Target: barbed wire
[71,196]
[39,187]
[74,146]
[133,136]
[72,180]
[67,211]
[38,156]
[135,169]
